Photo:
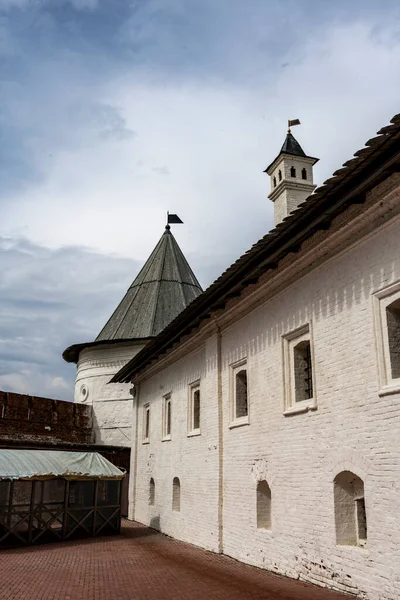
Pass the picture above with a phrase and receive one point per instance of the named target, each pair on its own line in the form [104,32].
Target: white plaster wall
[193,459]
[352,429]
[112,403]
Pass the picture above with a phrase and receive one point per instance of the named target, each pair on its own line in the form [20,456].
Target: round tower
[163,288]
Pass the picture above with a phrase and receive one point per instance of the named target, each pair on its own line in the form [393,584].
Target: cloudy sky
[114,111]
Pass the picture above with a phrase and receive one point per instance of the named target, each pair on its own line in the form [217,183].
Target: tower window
[292,172]
[280,175]
[304,173]
[350,514]
[274,181]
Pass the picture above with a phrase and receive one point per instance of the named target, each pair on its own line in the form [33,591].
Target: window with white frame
[239,394]
[146,424]
[166,421]
[387,331]
[194,409]
[299,377]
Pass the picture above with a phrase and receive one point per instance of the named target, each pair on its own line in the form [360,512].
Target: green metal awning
[38,464]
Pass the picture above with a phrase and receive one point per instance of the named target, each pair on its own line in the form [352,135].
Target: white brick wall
[352,429]
[112,404]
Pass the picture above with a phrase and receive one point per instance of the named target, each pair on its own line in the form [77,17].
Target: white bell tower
[291,176]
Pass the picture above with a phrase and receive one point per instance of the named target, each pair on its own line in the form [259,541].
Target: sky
[114,111]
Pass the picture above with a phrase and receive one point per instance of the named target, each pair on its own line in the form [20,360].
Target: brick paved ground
[140,564]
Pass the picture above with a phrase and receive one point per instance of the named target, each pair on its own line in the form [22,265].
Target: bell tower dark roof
[163,288]
[292,146]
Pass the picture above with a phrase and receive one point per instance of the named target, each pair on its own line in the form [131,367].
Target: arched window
[304,173]
[292,172]
[263,505]
[280,175]
[176,494]
[152,492]
[350,515]
[274,181]
[393,330]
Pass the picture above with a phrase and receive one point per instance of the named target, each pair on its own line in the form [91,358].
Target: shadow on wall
[155,523]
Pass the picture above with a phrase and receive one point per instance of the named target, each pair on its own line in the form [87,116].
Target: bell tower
[291,176]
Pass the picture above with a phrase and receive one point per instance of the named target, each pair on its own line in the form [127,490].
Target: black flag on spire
[171,218]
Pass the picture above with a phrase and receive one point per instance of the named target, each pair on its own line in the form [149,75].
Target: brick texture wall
[42,420]
[354,428]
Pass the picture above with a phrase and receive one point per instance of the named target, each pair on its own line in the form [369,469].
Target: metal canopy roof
[37,464]
[163,288]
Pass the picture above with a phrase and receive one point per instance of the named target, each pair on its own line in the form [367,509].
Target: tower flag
[292,123]
[172,218]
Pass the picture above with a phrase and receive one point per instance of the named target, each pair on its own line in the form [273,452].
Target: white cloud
[213,139]
[112,154]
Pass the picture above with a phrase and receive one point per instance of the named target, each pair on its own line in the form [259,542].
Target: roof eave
[71,354]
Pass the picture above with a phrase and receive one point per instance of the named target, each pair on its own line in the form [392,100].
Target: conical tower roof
[292,146]
[164,287]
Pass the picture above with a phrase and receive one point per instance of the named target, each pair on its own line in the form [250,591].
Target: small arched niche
[176,494]
[350,514]
[292,172]
[263,505]
[152,492]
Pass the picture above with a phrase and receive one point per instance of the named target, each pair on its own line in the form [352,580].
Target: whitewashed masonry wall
[355,427]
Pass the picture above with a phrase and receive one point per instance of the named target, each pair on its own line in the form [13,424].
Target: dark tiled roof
[292,146]
[348,185]
[164,287]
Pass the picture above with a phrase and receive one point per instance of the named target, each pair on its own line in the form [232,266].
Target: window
[350,514]
[299,385]
[146,423]
[176,494]
[166,423]
[386,304]
[152,492]
[280,175]
[304,173]
[274,181]
[263,505]
[239,394]
[194,409]
[302,371]
[393,333]
[292,172]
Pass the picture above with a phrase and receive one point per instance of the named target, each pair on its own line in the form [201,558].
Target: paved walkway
[140,564]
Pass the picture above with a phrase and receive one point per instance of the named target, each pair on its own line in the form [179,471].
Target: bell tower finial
[292,123]
[291,176]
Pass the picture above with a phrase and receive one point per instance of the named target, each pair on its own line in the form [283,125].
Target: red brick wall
[32,419]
